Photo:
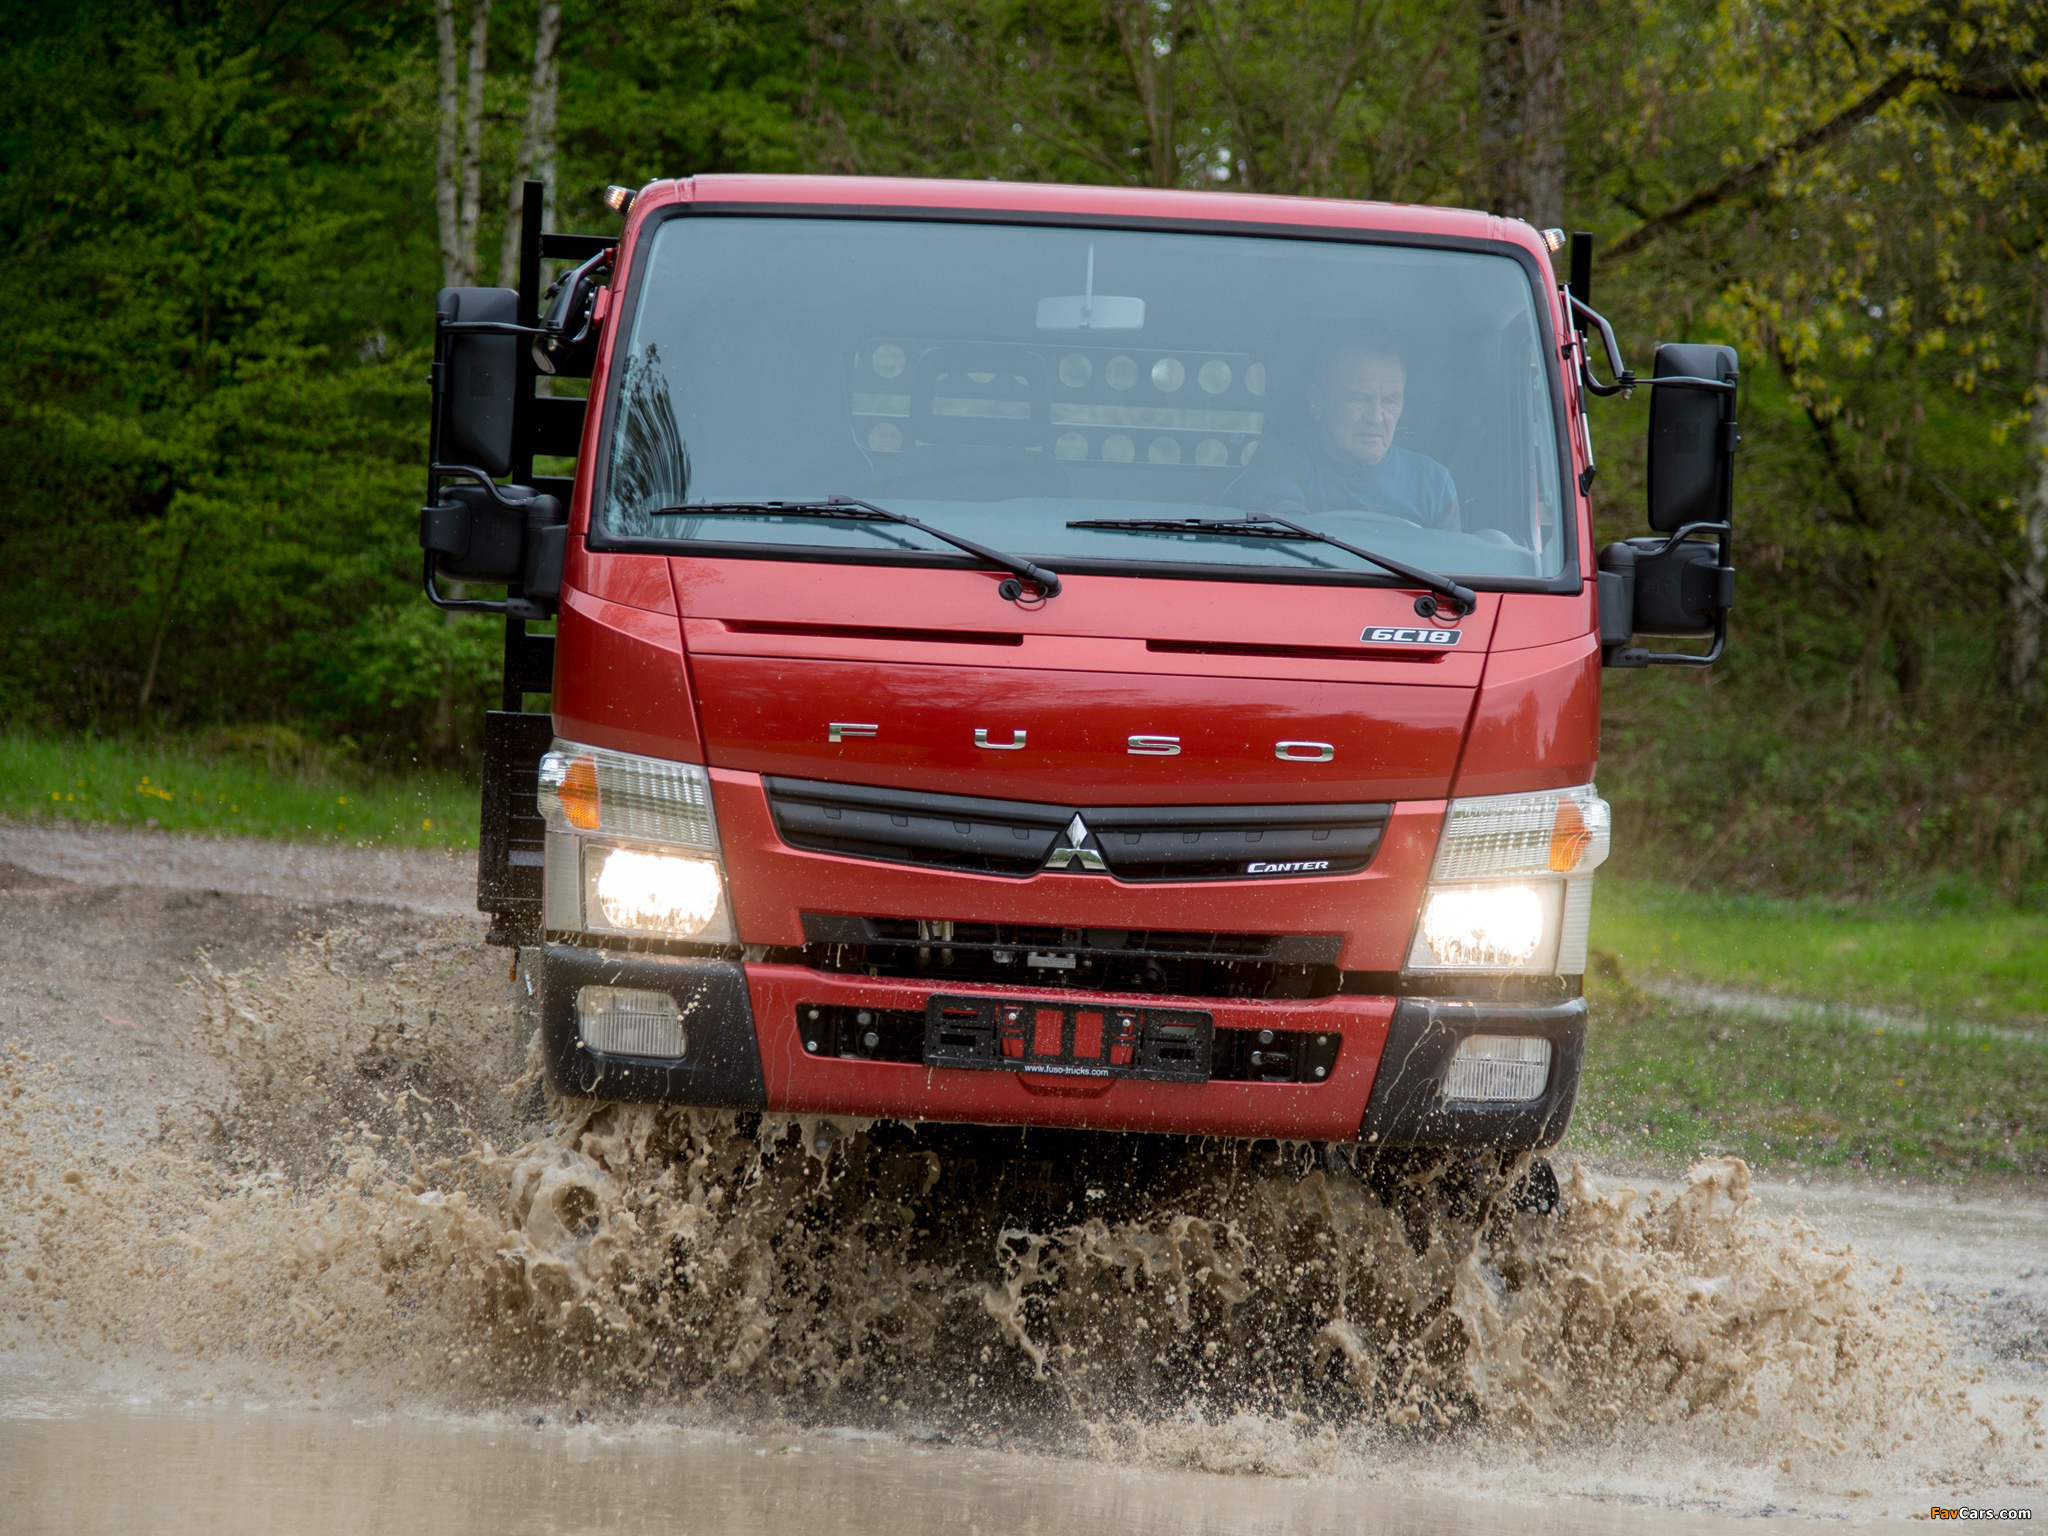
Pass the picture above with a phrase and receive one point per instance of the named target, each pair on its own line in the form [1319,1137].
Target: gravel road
[414,879]
[99,927]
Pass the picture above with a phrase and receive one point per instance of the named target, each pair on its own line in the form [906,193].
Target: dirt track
[99,927]
[100,933]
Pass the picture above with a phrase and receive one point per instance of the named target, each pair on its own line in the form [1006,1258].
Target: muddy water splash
[365,1207]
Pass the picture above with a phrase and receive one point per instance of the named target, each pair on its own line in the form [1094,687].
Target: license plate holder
[1036,1035]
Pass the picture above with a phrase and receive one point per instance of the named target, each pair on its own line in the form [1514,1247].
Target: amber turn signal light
[578,797]
[1569,837]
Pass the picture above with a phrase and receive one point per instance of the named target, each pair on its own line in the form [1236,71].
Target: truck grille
[1017,837]
[1237,965]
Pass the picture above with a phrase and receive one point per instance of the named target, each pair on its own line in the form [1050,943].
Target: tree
[1522,109]
[536,157]
[459,162]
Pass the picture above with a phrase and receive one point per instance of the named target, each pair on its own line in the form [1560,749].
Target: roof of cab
[1255,209]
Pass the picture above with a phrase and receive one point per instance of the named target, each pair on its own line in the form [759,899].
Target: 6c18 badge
[1381,634]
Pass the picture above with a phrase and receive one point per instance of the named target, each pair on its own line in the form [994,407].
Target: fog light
[654,893]
[1484,925]
[1499,1069]
[626,1021]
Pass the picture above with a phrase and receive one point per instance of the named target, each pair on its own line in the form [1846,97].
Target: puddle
[336,1293]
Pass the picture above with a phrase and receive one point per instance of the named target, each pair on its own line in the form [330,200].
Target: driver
[1354,395]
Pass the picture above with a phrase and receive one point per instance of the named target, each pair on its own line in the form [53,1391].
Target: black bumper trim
[722,1060]
[1408,1108]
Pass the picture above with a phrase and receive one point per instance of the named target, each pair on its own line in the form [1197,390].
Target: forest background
[225,223]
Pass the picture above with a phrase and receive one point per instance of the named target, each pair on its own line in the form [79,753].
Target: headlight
[1499,927]
[1511,887]
[632,847]
[628,890]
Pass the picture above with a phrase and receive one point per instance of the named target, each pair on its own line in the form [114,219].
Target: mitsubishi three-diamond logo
[1075,847]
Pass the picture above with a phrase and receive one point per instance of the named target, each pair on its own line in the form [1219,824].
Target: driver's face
[1358,404]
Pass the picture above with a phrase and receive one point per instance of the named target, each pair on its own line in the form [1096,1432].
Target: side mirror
[504,535]
[475,536]
[1692,436]
[1680,586]
[478,376]
[567,344]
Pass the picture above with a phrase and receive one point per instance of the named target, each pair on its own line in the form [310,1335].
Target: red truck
[1059,656]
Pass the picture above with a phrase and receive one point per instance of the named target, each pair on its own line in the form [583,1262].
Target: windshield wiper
[849,509]
[1268,525]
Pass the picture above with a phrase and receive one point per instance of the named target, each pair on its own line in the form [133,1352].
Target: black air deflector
[1014,837]
[998,837]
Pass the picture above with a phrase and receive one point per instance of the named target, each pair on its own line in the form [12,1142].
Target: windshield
[1005,382]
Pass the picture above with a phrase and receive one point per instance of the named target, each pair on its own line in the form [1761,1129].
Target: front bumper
[746,1051]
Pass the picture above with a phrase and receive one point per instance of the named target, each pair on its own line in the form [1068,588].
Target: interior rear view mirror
[1692,436]
[1091,311]
[482,374]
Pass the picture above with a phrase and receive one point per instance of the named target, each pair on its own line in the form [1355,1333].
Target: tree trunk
[163,627]
[1151,36]
[1521,109]
[473,137]
[447,203]
[2031,591]
[536,138]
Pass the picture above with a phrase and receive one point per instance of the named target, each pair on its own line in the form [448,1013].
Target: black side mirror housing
[567,345]
[1692,437]
[481,377]
[505,535]
[1662,589]
[547,546]
[477,536]
[1680,586]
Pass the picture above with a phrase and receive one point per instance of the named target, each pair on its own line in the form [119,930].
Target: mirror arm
[1624,382]
[488,328]
[1681,381]
[463,604]
[438,472]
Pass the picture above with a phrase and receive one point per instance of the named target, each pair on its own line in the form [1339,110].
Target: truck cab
[1060,656]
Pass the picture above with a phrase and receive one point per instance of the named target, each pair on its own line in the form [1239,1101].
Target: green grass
[254,783]
[1979,961]
[1670,1082]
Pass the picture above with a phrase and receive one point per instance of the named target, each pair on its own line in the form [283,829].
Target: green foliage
[1816,1090]
[1951,956]
[263,781]
[218,223]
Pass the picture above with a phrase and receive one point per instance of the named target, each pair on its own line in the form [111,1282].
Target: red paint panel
[773,885]
[1537,723]
[1130,657]
[1125,611]
[1532,619]
[773,716]
[620,681]
[633,581]
[1088,1035]
[801,1083]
